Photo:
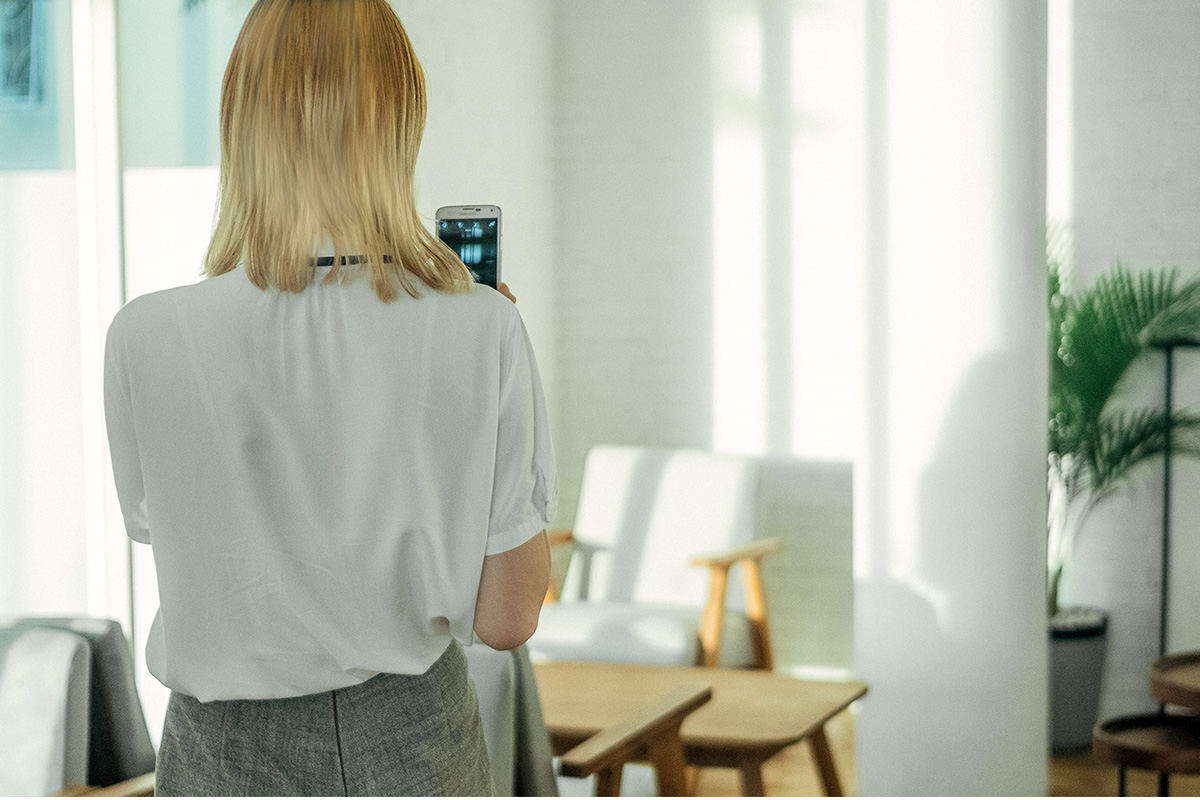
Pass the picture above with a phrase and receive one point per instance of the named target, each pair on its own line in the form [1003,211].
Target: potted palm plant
[1095,445]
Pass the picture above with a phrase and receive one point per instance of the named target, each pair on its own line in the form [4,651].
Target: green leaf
[1097,334]
[1126,439]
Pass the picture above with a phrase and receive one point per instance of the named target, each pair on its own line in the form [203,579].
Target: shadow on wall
[949,580]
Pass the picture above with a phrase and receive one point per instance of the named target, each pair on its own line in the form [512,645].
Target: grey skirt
[391,735]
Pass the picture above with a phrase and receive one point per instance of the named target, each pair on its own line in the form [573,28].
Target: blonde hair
[322,112]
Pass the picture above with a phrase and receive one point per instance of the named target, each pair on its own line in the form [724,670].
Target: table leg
[750,770]
[667,756]
[693,780]
[608,782]
[825,766]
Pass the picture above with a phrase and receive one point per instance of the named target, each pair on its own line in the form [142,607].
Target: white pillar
[950,628]
[101,279]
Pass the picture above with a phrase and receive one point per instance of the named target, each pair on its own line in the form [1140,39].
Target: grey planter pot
[1078,641]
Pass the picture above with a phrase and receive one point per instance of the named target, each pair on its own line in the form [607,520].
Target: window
[21,53]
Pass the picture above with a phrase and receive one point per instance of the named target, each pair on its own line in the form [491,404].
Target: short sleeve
[525,490]
[122,440]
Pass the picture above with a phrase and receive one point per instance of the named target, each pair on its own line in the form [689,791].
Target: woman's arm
[511,589]
[513,585]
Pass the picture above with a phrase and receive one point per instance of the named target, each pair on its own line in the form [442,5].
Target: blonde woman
[336,444]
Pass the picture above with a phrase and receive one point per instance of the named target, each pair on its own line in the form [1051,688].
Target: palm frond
[1099,333]
[1126,439]
[1179,321]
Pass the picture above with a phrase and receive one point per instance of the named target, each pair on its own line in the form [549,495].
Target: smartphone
[473,232]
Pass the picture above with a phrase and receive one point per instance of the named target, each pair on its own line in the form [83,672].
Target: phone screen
[477,243]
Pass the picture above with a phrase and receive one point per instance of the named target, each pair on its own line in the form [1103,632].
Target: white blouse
[320,474]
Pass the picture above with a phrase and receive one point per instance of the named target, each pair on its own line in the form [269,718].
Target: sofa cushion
[633,633]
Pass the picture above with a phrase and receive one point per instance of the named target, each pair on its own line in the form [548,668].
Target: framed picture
[22,54]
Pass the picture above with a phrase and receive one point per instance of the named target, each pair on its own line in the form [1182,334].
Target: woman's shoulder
[482,302]
[152,309]
[481,295]
[145,310]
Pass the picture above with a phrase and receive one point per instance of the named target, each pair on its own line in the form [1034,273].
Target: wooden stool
[1162,743]
[1176,680]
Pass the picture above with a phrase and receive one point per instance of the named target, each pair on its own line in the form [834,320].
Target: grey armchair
[70,716]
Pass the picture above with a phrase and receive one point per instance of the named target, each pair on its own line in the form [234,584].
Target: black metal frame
[1168,347]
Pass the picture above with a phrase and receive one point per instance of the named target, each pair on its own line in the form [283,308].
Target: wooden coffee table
[751,717]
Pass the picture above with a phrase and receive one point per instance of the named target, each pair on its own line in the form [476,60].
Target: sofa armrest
[727,558]
[141,786]
[712,620]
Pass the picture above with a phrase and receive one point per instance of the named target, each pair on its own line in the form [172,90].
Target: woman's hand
[504,290]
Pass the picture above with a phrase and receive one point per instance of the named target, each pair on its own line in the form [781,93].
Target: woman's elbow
[511,588]
[509,633]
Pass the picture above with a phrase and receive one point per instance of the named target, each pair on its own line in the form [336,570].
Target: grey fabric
[119,741]
[392,735]
[534,767]
[513,725]
[493,675]
[43,711]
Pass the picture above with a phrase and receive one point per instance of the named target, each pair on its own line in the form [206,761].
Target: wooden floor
[1078,774]
[792,773]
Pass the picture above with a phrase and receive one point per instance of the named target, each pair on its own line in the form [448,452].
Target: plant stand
[1162,742]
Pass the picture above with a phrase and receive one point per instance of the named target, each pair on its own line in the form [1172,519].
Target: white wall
[1136,197]
[949,624]
[634,211]
[42,542]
